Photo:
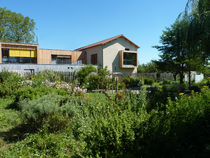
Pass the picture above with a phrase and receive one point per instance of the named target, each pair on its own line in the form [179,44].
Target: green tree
[15,27]
[150,67]
[185,45]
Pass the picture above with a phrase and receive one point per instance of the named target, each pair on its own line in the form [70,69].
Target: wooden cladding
[94,58]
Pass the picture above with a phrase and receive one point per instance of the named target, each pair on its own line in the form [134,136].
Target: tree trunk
[181,78]
[174,76]
[189,79]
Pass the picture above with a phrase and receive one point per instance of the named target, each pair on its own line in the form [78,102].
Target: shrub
[83,73]
[179,131]
[46,109]
[131,82]
[158,97]
[9,83]
[99,80]
[148,81]
[166,82]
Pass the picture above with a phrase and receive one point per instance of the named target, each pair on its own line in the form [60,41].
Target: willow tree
[185,45]
[15,27]
[174,53]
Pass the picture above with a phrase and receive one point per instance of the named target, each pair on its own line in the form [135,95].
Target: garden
[43,116]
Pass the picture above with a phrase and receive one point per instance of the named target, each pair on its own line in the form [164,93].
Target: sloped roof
[107,41]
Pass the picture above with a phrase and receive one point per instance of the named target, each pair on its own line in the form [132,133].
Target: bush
[166,82]
[158,97]
[9,83]
[148,81]
[182,130]
[99,80]
[131,82]
[95,125]
[46,109]
[83,73]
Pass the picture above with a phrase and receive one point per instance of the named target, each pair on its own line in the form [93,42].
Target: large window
[61,59]
[128,59]
[18,56]
[94,59]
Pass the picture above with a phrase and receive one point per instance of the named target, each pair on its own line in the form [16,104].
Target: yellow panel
[24,53]
[14,53]
[33,54]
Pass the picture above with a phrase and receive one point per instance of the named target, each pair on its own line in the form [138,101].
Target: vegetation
[148,68]
[15,27]
[43,116]
[184,44]
[49,120]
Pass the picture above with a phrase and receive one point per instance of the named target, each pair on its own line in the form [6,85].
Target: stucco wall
[111,56]
[95,50]
[44,55]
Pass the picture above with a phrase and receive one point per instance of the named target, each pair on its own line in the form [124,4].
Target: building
[32,54]
[118,54]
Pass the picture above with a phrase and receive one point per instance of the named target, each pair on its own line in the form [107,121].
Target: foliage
[131,82]
[99,80]
[155,123]
[42,76]
[148,68]
[43,109]
[158,97]
[184,44]
[15,27]
[148,81]
[83,73]
[179,131]
[9,83]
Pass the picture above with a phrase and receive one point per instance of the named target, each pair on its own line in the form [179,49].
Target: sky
[70,24]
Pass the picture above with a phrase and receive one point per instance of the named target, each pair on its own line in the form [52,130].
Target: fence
[157,76]
[67,71]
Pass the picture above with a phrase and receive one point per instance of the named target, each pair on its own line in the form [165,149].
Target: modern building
[118,54]
[13,53]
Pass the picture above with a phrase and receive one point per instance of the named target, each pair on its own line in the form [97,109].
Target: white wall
[95,50]
[111,56]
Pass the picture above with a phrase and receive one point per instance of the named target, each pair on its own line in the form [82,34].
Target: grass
[9,120]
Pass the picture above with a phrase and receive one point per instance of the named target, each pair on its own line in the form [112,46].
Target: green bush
[9,83]
[83,73]
[181,130]
[166,82]
[99,80]
[158,97]
[148,81]
[132,82]
[120,125]
[45,110]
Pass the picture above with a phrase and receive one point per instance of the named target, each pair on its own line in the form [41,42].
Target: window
[61,59]
[127,49]
[8,57]
[94,59]
[128,59]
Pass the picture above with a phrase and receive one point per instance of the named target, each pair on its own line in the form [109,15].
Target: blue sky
[70,24]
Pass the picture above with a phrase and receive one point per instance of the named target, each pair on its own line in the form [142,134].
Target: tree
[147,68]
[15,27]
[185,45]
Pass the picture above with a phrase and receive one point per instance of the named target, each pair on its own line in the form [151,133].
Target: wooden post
[116,84]
[112,84]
